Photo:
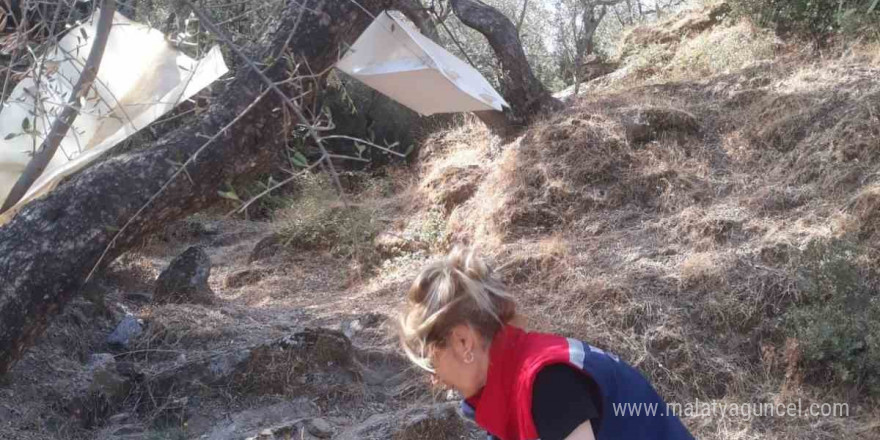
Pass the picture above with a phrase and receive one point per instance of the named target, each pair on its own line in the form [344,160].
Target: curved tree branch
[522,90]
[522,17]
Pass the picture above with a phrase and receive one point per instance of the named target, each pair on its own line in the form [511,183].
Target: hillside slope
[708,212]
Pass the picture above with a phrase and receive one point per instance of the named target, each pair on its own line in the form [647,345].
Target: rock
[265,248]
[244,277]
[320,428]
[105,380]
[186,279]
[312,360]
[352,328]
[126,331]
[281,420]
[225,365]
[130,370]
[646,124]
[99,391]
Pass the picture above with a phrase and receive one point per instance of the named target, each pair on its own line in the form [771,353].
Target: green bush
[838,321]
[317,219]
[814,17]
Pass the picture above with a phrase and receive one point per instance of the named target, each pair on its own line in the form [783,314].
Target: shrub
[723,49]
[813,17]
[317,219]
[838,322]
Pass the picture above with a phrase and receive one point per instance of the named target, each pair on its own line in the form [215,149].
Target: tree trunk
[415,12]
[522,90]
[52,244]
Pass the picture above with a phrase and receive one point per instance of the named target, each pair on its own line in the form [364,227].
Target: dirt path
[291,348]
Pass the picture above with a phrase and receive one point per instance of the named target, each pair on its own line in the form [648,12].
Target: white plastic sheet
[141,77]
[398,61]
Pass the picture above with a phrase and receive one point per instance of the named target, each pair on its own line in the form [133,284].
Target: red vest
[504,406]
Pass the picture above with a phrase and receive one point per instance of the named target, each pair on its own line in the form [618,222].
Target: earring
[469,357]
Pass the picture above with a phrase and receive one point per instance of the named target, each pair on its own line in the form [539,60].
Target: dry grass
[676,246]
[722,50]
[690,46]
[314,362]
[704,270]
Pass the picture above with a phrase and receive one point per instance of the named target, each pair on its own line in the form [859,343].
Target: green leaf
[409,149]
[26,124]
[11,136]
[873,6]
[299,160]
[84,34]
[231,195]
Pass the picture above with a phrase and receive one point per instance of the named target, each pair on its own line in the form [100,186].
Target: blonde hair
[458,289]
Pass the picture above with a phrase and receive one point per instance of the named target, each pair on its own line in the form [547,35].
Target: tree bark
[415,12]
[526,95]
[522,18]
[584,42]
[52,244]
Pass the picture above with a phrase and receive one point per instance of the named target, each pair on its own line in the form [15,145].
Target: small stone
[126,331]
[356,325]
[351,328]
[105,380]
[225,365]
[320,428]
[266,434]
[266,248]
[186,279]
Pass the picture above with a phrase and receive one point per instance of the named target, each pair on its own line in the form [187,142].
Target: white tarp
[397,60]
[141,77]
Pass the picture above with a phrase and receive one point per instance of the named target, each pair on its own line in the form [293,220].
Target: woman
[459,325]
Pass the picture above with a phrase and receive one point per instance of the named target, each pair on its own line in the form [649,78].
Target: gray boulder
[186,279]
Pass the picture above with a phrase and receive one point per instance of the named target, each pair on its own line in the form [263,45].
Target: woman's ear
[464,340]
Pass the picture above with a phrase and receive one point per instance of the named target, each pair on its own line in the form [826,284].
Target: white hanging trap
[141,78]
[401,63]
